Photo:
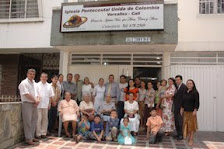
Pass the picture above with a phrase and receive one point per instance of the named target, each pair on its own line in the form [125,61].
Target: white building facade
[191,44]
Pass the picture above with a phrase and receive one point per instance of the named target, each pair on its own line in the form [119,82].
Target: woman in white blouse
[87,88]
[131,111]
[98,93]
[86,107]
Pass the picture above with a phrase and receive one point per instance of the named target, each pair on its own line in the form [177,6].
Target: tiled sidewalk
[203,140]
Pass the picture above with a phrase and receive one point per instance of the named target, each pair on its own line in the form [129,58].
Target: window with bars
[211,6]
[11,9]
[135,59]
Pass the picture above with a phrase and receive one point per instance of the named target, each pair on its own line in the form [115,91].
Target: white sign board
[112,18]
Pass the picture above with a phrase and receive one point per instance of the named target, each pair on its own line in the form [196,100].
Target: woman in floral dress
[167,103]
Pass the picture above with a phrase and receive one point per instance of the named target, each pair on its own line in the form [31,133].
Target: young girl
[84,127]
[125,132]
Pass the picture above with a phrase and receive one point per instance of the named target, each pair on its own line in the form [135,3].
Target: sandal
[68,135]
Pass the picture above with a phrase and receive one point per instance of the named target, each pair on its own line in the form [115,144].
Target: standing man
[29,106]
[137,82]
[178,97]
[79,84]
[120,105]
[44,93]
[69,86]
[112,89]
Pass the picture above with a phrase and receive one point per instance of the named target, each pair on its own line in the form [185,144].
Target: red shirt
[134,91]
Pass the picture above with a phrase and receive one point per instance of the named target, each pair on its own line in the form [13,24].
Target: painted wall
[199,32]
[29,34]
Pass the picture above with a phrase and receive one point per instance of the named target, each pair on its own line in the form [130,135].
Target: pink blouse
[68,107]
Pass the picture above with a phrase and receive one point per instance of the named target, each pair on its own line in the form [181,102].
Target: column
[64,60]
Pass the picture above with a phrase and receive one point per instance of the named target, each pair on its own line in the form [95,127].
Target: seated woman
[69,111]
[131,111]
[106,107]
[86,107]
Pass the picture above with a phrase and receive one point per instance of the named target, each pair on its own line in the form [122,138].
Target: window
[211,6]
[10,9]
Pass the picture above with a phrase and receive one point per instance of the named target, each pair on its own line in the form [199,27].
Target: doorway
[148,74]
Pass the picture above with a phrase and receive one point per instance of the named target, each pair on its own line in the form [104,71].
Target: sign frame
[112,4]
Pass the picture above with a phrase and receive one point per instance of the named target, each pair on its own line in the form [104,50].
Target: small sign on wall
[137,39]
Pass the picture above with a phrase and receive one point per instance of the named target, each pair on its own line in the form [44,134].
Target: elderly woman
[69,112]
[87,87]
[131,111]
[86,107]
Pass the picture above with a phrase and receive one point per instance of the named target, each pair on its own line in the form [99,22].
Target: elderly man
[29,106]
[69,86]
[112,89]
[44,93]
[106,108]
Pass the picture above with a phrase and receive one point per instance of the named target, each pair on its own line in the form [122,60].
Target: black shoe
[175,136]
[43,136]
[48,133]
[180,138]
[38,137]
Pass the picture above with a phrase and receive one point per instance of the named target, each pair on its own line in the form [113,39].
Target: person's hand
[154,132]
[194,113]
[78,114]
[131,115]
[181,112]
[35,104]
[98,139]
[157,106]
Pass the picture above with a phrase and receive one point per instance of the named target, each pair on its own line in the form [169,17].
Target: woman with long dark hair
[167,103]
[189,108]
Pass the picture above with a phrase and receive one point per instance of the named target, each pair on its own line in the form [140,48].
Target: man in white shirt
[120,105]
[29,106]
[44,93]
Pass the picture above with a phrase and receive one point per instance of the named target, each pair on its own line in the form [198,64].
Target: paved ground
[203,140]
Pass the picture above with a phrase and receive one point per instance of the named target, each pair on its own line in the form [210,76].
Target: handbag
[127,140]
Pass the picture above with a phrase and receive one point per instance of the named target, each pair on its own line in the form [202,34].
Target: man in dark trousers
[178,96]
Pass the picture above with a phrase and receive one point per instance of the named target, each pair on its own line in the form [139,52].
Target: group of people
[108,111]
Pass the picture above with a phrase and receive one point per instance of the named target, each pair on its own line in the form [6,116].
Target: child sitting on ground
[154,125]
[97,129]
[112,127]
[125,133]
[84,127]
